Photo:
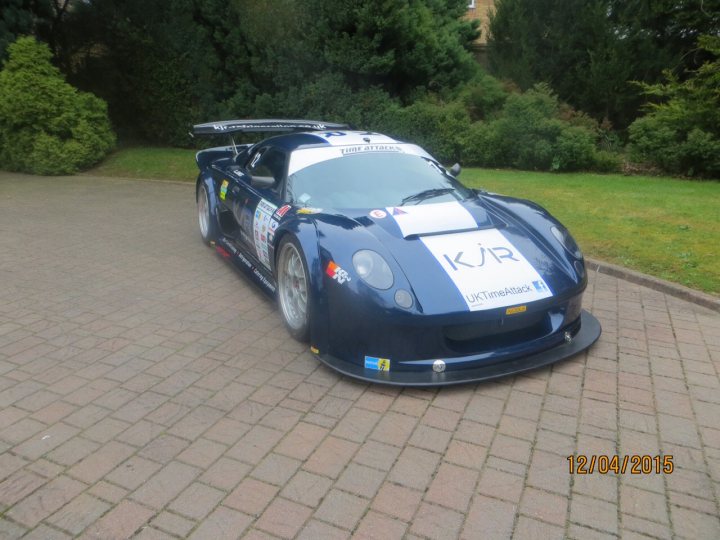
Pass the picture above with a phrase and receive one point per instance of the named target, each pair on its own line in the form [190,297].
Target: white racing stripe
[487,269]
[432,218]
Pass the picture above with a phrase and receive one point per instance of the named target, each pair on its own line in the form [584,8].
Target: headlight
[373,269]
[566,240]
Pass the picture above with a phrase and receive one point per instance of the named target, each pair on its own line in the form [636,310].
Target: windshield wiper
[427,194]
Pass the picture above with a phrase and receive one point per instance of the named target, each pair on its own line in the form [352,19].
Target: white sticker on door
[261,228]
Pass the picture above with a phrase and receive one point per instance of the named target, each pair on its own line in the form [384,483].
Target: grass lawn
[665,227]
[150,162]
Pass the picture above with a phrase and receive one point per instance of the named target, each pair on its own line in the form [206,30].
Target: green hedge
[46,125]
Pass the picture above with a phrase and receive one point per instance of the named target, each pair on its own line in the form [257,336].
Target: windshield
[373,180]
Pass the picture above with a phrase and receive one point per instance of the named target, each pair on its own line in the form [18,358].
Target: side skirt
[258,274]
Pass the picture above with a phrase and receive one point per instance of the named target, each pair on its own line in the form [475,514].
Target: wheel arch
[305,233]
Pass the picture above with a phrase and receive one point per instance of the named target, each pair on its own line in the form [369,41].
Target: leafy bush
[439,128]
[574,150]
[535,131]
[46,125]
[681,134]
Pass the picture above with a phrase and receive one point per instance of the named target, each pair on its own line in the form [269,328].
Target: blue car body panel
[355,328]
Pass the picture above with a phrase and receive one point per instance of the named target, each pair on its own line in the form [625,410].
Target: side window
[268,162]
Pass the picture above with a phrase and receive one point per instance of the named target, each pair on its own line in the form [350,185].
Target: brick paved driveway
[146,388]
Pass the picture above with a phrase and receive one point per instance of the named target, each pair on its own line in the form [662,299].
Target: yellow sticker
[223,189]
[314,350]
[516,309]
[383,364]
[309,210]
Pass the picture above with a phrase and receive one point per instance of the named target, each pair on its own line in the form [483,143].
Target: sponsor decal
[432,218]
[261,223]
[282,211]
[378,214]
[223,189]
[273,225]
[347,150]
[488,271]
[314,350]
[309,210]
[337,273]
[379,364]
[222,252]
[516,309]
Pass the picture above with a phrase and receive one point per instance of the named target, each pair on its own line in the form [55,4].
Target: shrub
[46,125]
[681,133]
[574,150]
[440,128]
[535,131]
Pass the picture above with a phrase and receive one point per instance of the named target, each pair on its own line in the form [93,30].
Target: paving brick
[46,500]
[121,522]
[307,488]
[133,473]
[331,457]
[165,485]
[255,444]
[222,524]
[225,473]
[594,513]
[692,524]
[397,501]
[173,524]
[99,463]
[197,501]
[301,441]
[500,484]
[75,516]
[317,529]
[18,486]
[251,496]
[394,429]
[414,468]
[436,522]
[375,526]
[452,487]
[283,518]
[544,506]
[531,529]
[549,472]
[341,509]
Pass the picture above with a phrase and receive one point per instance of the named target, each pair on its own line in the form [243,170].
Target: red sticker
[282,210]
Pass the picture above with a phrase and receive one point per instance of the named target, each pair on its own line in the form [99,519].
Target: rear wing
[228,127]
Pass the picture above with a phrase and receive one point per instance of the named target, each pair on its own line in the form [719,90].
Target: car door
[258,198]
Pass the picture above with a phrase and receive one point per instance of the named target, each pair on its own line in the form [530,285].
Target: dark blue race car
[390,268]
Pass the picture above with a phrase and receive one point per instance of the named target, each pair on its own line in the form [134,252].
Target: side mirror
[263,182]
[455,170]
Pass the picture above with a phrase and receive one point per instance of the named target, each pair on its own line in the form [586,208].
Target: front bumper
[472,371]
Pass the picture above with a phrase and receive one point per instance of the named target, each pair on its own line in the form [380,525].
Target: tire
[208,227]
[293,291]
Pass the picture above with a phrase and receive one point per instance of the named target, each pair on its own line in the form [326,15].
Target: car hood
[466,255]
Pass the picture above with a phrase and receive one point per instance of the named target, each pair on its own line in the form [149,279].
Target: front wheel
[208,229]
[293,289]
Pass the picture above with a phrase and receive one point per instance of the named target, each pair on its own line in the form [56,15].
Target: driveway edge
[672,289]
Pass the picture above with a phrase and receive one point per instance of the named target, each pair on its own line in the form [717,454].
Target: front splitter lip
[588,334]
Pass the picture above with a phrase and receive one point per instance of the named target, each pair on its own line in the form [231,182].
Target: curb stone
[672,289]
